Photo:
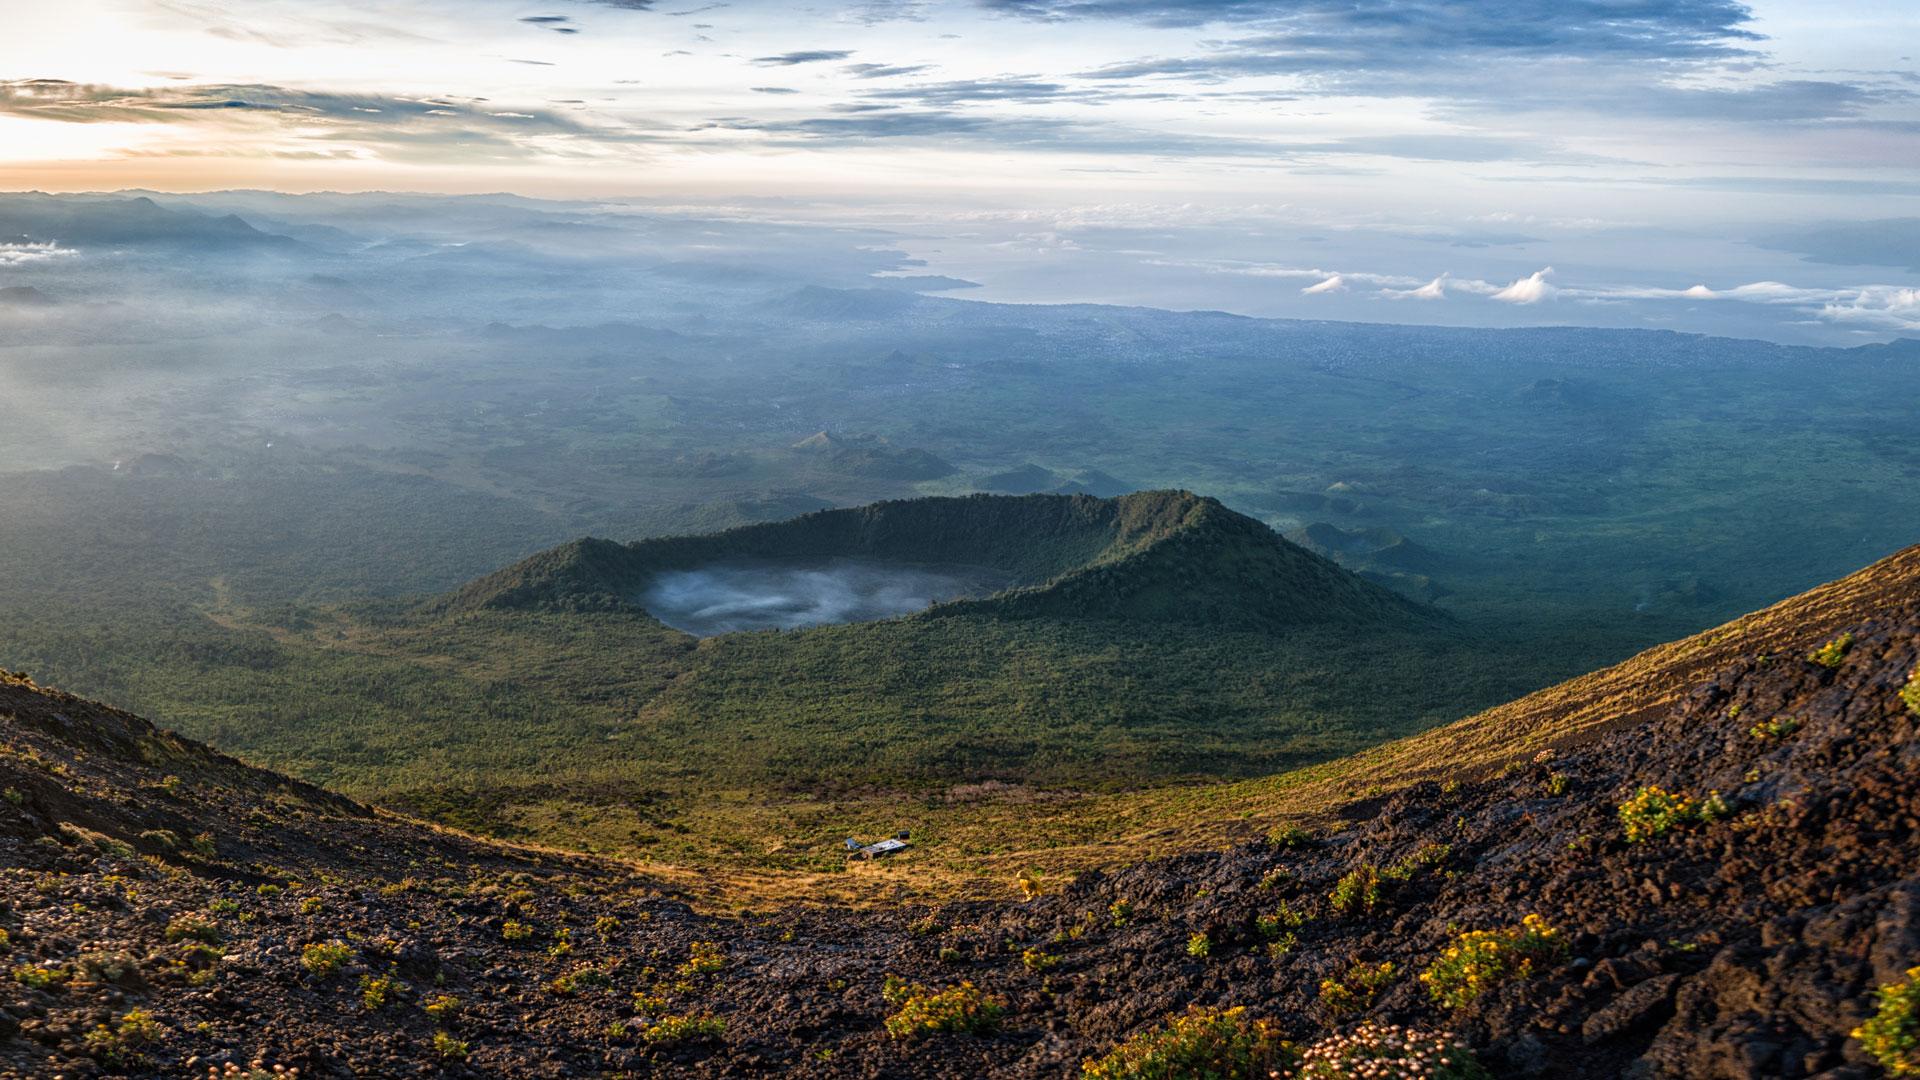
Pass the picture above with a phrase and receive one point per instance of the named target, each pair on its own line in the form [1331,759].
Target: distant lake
[724,598]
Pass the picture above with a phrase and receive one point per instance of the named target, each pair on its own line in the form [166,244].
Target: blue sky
[1691,163]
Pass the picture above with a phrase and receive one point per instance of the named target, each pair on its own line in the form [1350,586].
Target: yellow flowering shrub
[1479,960]
[1892,1036]
[1217,1043]
[1653,811]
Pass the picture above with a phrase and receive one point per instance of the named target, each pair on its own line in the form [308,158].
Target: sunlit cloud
[22,254]
[1528,290]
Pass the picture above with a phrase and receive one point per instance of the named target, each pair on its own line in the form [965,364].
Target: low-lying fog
[724,598]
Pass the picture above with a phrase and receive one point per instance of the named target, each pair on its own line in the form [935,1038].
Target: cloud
[1432,290]
[803,56]
[773,89]
[1152,12]
[857,124]
[884,71]
[389,126]
[1528,290]
[1884,307]
[972,90]
[555,23]
[1331,36]
[21,254]
[1334,284]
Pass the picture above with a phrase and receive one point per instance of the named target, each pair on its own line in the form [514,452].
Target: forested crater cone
[1158,556]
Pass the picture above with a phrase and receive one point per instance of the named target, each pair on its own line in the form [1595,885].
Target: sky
[1686,163]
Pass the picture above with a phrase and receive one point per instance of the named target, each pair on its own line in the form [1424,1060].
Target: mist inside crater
[785,595]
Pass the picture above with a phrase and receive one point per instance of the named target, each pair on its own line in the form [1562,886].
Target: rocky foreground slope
[167,909]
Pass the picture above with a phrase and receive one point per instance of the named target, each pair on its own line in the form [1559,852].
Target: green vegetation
[918,1011]
[448,1048]
[193,928]
[40,977]
[1288,836]
[1364,888]
[1353,992]
[123,1043]
[1038,960]
[690,1027]
[379,991]
[1774,730]
[1653,812]
[1380,1052]
[1480,960]
[1214,1044]
[1833,652]
[1278,926]
[1200,945]
[1358,891]
[1910,693]
[324,958]
[1892,1035]
[704,958]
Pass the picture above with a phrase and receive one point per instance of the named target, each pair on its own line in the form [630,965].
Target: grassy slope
[974,842]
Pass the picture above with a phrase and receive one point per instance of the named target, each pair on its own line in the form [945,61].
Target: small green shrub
[962,1009]
[1288,836]
[1039,960]
[192,928]
[1910,693]
[704,958]
[1780,727]
[1354,992]
[1275,924]
[378,991]
[586,978]
[442,1007]
[160,840]
[1377,1052]
[1653,812]
[669,1030]
[1200,945]
[1214,1044]
[1892,1035]
[1479,960]
[1358,891]
[515,930]
[1120,912]
[1031,888]
[1830,654]
[448,1048]
[38,977]
[322,959]
[122,1044]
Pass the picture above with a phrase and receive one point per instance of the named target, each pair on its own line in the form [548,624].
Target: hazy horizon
[1699,165]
